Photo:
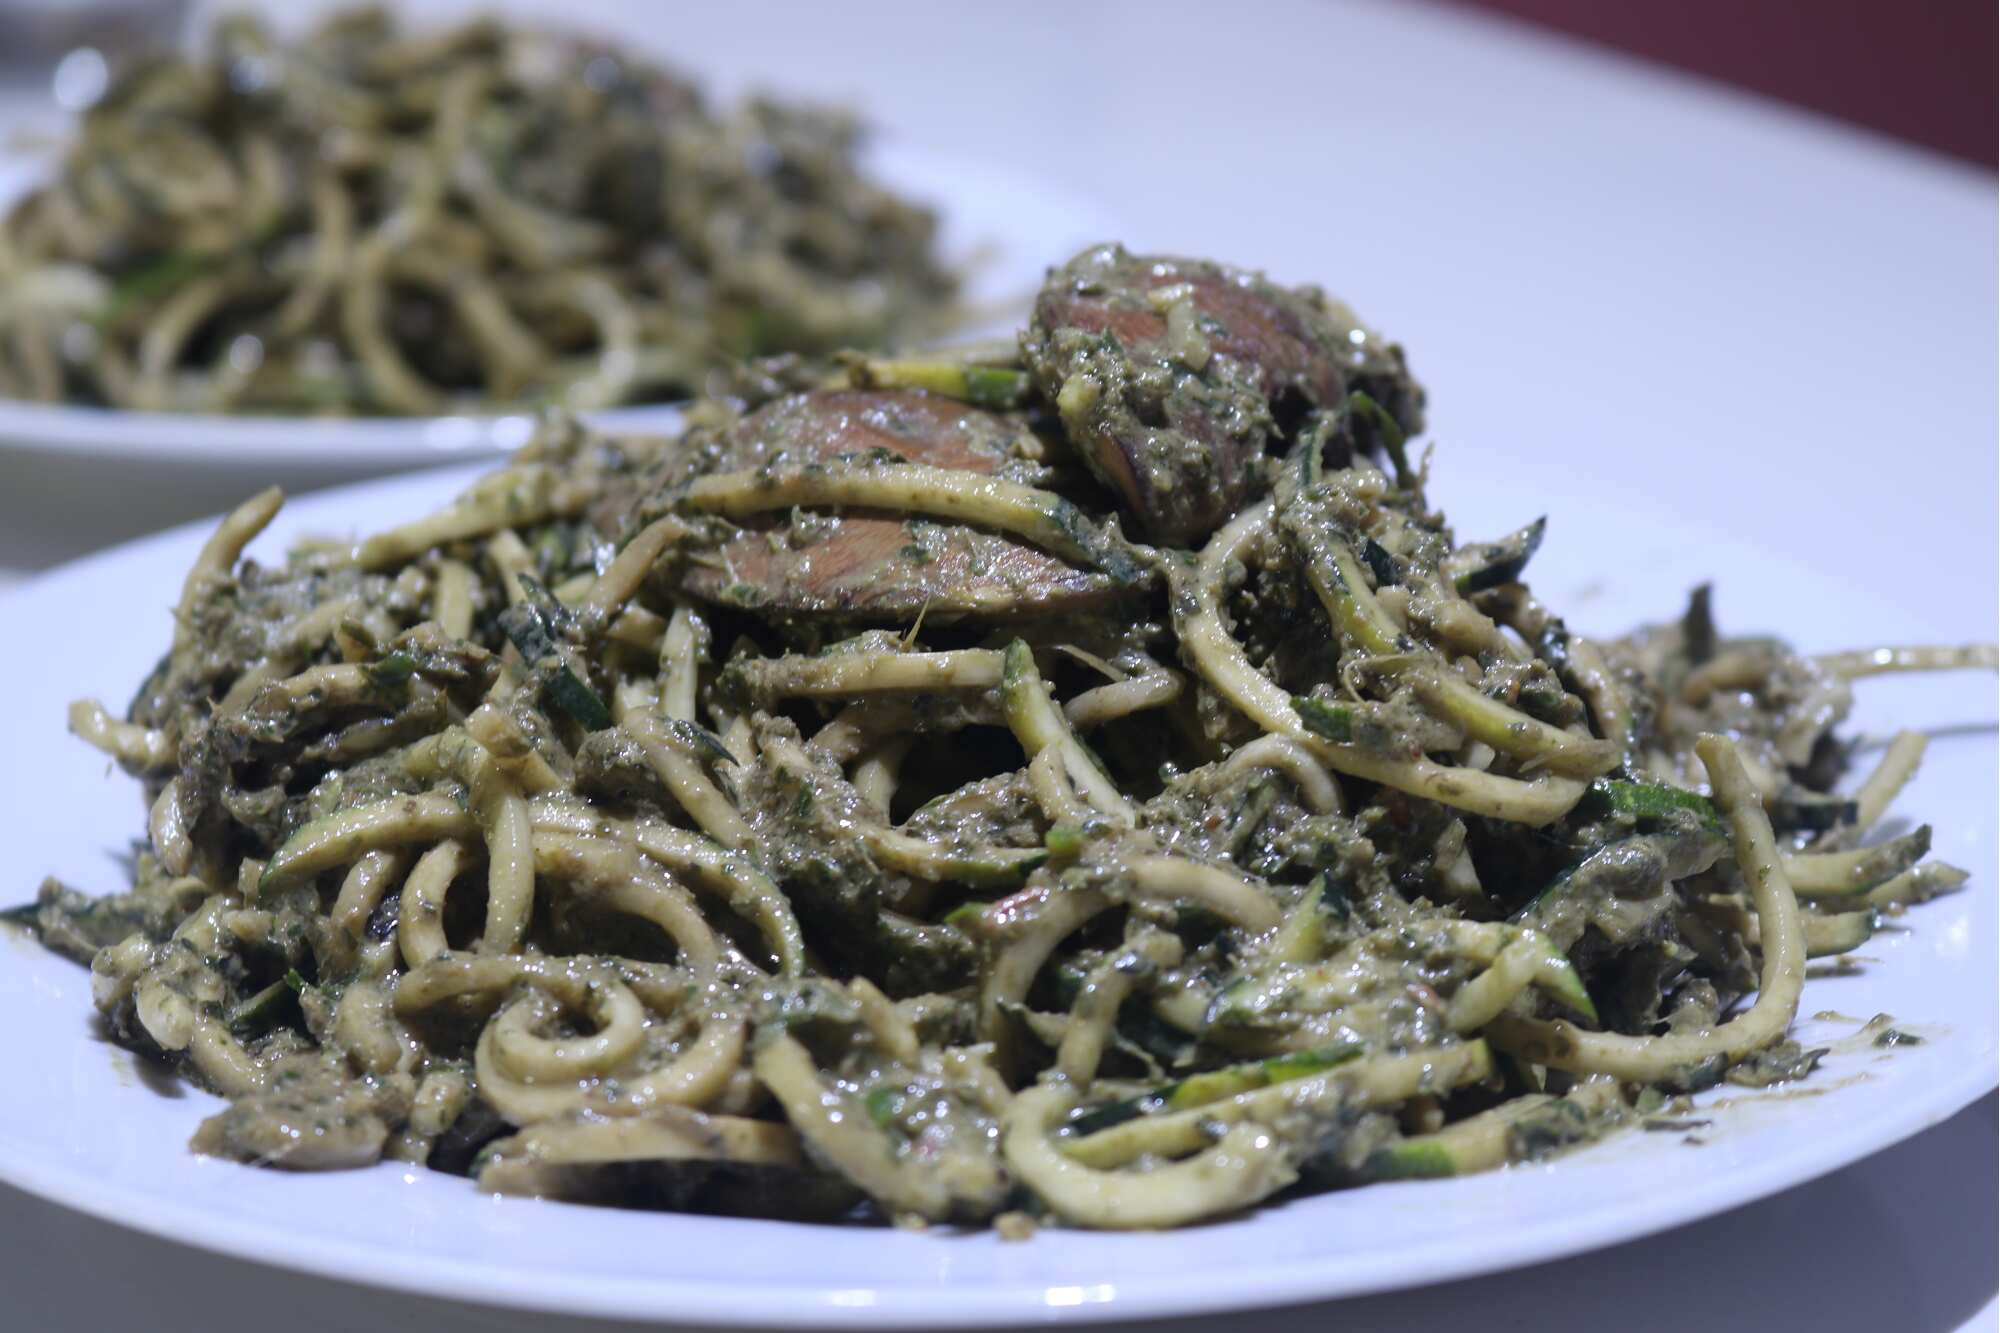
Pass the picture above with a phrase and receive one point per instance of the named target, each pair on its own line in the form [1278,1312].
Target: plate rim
[735,1305]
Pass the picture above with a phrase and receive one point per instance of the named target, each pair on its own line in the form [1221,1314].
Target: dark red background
[1922,70]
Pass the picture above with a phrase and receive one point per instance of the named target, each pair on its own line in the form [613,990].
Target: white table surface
[1582,253]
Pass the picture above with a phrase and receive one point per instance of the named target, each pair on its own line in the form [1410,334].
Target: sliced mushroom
[823,425]
[1176,377]
[878,567]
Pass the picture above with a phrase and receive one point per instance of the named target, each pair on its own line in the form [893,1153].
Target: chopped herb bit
[1323,719]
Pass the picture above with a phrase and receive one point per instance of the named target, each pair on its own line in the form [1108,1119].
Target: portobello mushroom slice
[873,566]
[1177,378]
[823,425]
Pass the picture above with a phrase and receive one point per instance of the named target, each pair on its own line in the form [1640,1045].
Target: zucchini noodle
[890,800]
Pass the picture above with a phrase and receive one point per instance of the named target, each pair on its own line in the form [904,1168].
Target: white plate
[80,1124]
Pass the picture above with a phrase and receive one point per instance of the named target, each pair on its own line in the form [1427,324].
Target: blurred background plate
[78,478]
